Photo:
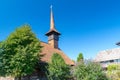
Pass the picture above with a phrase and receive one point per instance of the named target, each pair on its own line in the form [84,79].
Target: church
[53,46]
[48,49]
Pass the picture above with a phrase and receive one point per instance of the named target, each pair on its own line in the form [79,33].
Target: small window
[118,60]
[111,61]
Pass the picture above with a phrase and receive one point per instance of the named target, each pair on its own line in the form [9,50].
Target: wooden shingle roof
[48,51]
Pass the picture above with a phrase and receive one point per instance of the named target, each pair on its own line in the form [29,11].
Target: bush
[113,71]
[89,71]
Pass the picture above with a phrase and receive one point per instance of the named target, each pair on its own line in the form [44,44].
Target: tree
[1,70]
[20,53]
[89,71]
[1,50]
[80,57]
[57,69]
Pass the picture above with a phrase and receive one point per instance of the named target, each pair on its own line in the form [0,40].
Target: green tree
[57,69]
[1,50]
[20,53]
[80,57]
[89,71]
[1,70]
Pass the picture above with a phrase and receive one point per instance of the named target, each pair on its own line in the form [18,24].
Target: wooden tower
[53,34]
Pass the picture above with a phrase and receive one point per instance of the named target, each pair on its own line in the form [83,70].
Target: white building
[108,57]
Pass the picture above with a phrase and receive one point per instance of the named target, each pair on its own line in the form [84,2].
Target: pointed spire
[52,26]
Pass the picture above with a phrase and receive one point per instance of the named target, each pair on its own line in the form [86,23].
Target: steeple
[53,34]
[51,19]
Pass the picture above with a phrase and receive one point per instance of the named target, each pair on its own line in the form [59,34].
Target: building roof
[48,51]
[108,55]
[51,31]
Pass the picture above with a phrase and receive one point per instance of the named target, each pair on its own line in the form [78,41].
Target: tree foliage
[89,71]
[80,57]
[20,53]
[57,69]
[1,68]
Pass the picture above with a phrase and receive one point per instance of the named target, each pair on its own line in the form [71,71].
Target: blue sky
[87,26]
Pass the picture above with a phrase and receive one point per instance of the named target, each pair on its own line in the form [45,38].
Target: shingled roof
[48,51]
[108,55]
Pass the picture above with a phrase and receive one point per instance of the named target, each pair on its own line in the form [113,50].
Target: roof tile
[48,51]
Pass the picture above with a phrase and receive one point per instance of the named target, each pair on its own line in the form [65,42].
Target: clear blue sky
[87,26]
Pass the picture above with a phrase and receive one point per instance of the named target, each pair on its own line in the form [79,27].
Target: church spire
[52,26]
[53,34]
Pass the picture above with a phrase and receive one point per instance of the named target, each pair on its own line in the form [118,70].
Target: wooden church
[52,46]
[48,49]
